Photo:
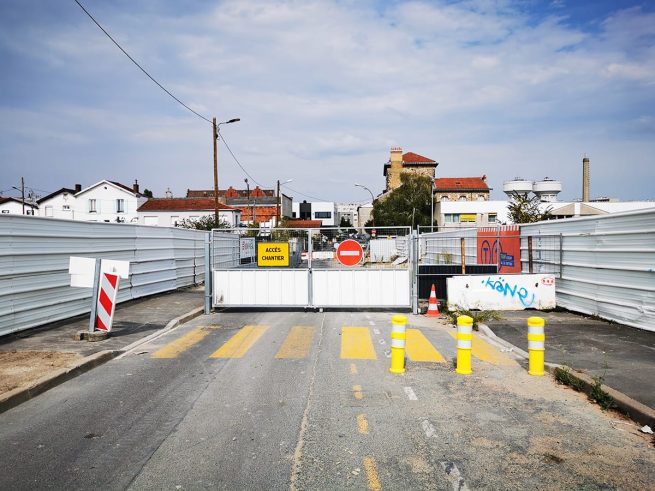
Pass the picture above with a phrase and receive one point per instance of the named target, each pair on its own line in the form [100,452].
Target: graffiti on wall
[501,246]
[505,288]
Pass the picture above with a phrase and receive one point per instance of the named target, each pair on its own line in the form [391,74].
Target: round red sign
[350,253]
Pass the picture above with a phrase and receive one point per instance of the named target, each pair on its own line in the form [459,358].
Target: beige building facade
[408,162]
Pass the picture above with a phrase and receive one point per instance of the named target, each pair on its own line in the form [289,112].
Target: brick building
[408,162]
[461,189]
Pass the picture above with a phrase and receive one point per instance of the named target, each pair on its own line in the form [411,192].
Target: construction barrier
[536,346]
[398,339]
[464,344]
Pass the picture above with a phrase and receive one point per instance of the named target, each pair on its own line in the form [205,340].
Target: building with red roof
[461,189]
[400,162]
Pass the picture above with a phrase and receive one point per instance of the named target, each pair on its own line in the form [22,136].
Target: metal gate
[313,267]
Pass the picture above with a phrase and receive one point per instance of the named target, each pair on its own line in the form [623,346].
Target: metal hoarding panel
[361,288]
[256,288]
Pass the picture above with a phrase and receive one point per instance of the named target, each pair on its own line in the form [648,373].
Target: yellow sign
[468,217]
[273,254]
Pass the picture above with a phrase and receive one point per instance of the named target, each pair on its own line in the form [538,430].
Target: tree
[407,205]
[524,209]
[345,222]
[206,222]
[147,193]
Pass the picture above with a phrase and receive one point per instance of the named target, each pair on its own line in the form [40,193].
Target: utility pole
[277,220]
[248,194]
[22,192]
[215,138]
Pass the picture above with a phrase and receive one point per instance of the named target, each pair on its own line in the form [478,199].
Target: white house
[169,212]
[14,206]
[60,204]
[108,201]
[325,211]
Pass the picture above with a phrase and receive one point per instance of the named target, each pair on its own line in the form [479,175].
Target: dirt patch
[21,368]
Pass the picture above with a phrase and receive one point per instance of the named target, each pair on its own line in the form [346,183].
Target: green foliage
[345,222]
[564,376]
[407,205]
[147,193]
[206,222]
[478,316]
[524,209]
[598,395]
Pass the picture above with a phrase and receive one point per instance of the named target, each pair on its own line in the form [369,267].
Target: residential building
[109,201]
[14,206]
[364,214]
[257,203]
[349,212]
[325,211]
[470,213]
[461,189]
[408,162]
[60,204]
[170,212]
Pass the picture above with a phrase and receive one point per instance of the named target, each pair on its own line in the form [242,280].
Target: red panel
[100,325]
[106,303]
[500,246]
[112,278]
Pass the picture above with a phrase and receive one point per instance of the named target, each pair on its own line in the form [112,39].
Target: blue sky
[324,89]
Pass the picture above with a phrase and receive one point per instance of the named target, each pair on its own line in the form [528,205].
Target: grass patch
[598,395]
[564,376]
[478,316]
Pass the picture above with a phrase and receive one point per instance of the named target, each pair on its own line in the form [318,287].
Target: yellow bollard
[536,346]
[464,344]
[398,337]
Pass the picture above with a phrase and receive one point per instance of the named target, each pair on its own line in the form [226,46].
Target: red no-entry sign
[350,253]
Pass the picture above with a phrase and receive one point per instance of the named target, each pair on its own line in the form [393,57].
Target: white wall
[106,195]
[168,218]
[14,208]
[62,205]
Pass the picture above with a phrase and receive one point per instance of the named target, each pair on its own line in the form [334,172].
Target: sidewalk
[34,360]
[624,356]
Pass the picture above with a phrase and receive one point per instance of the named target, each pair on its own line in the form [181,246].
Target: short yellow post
[464,344]
[536,346]
[398,337]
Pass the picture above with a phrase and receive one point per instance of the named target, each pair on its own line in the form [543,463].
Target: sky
[324,88]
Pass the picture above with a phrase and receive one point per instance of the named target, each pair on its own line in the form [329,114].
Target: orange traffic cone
[433,305]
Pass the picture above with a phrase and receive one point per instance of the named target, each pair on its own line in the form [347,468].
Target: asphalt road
[292,400]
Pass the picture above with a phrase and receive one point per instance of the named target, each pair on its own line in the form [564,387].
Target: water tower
[547,189]
[517,186]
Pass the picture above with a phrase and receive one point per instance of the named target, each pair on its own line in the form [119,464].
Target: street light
[277,223]
[372,199]
[215,138]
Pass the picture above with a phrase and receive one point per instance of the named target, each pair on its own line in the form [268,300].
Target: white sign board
[121,268]
[501,292]
[82,270]
[247,247]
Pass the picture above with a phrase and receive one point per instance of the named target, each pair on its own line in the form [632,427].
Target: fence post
[463,252]
[530,264]
[561,251]
[208,273]
[413,268]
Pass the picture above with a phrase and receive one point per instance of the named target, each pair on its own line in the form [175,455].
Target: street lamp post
[277,223]
[372,199]
[215,134]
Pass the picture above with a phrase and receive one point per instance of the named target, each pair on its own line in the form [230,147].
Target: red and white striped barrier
[106,301]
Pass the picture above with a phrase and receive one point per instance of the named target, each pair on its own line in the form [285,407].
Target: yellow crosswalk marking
[418,348]
[356,343]
[297,344]
[173,349]
[486,352]
[239,344]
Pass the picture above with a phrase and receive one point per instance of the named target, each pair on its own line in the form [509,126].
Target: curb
[22,394]
[172,324]
[637,411]
[19,395]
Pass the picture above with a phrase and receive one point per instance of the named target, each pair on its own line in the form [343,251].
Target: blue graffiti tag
[502,286]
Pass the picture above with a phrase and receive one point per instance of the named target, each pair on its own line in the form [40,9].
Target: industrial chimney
[585,179]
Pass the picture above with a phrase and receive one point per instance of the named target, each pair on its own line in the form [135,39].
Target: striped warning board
[106,301]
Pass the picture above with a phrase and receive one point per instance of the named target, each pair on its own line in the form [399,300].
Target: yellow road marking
[353,369]
[372,474]
[183,343]
[486,352]
[356,343]
[357,392]
[420,349]
[239,344]
[297,344]
[362,424]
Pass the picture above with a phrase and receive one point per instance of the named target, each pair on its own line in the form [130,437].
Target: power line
[137,64]
[237,161]
[305,195]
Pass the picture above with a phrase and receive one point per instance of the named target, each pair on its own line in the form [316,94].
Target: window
[5,211]
[462,198]
[120,206]
[29,211]
[48,211]
[445,198]
[92,206]
[323,214]
[66,207]
[493,217]
[480,197]
[451,217]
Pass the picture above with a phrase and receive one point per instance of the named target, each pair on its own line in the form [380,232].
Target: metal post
[530,264]
[310,250]
[94,297]
[561,252]
[413,244]
[214,138]
[208,272]
[463,252]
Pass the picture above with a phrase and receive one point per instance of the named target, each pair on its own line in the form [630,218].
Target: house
[108,201]
[407,162]
[461,189]
[15,206]
[480,213]
[258,205]
[169,212]
[60,204]
[325,211]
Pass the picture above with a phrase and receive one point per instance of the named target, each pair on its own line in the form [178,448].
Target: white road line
[454,476]
[428,429]
[410,394]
